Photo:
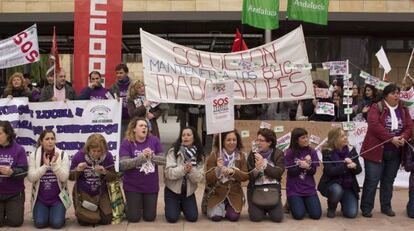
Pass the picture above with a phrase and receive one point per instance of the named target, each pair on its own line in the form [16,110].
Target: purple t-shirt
[89,181]
[390,146]
[133,179]
[304,183]
[97,93]
[48,188]
[13,156]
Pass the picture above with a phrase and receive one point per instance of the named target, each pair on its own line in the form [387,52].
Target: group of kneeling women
[140,154]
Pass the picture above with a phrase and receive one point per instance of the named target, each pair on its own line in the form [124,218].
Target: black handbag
[265,196]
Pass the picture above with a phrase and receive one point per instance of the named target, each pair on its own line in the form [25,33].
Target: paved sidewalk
[169,133]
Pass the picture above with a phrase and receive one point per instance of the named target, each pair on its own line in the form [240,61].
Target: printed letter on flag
[262,14]
[98,36]
[22,48]
[312,11]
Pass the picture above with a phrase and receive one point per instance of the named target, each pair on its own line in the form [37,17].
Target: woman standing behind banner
[369,98]
[389,127]
[225,172]
[48,172]
[13,170]
[300,183]
[140,154]
[16,88]
[92,167]
[266,166]
[183,172]
[338,182]
[139,106]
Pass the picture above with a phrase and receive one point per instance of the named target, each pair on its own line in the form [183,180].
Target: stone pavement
[169,133]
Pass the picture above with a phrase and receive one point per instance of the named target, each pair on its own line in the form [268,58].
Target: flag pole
[409,63]
[54,63]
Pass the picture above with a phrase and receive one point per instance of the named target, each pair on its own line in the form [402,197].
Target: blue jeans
[175,203]
[410,204]
[53,216]
[347,198]
[384,172]
[301,204]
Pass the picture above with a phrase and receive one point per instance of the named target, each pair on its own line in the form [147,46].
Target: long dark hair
[197,142]
[8,129]
[294,140]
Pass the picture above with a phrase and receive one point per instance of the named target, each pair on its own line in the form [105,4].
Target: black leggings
[141,205]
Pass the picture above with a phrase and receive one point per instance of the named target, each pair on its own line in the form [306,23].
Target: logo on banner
[101,113]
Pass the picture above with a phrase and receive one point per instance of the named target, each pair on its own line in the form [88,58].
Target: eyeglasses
[261,140]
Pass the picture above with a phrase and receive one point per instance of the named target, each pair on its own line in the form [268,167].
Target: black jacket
[333,172]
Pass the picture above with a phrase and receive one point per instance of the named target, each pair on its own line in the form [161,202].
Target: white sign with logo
[219,107]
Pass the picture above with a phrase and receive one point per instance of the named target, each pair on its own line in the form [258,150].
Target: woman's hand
[81,167]
[259,161]
[187,167]
[54,159]
[220,162]
[46,160]
[100,169]
[148,153]
[228,171]
[6,170]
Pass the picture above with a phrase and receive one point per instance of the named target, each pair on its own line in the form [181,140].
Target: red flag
[54,62]
[236,43]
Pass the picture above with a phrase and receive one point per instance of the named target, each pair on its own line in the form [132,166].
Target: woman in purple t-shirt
[13,170]
[140,155]
[48,172]
[302,162]
[92,167]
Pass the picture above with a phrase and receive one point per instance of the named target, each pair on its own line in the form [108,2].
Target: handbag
[87,209]
[265,196]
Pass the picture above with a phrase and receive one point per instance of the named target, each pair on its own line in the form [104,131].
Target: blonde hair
[95,141]
[132,92]
[130,131]
[9,88]
[334,136]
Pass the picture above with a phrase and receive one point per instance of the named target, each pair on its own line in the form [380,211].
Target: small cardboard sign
[314,139]
[347,100]
[325,108]
[245,134]
[265,125]
[278,129]
[348,126]
[348,111]
[348,92]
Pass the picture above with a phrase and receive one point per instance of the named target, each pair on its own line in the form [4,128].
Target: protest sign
[219,107]
[178,74]
[72,121]
[325,108]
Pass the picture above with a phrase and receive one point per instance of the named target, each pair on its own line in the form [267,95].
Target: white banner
[72,121]
[219,107]
[178,74]
[20,49]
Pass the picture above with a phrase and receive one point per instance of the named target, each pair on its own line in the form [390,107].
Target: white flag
[383,60]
